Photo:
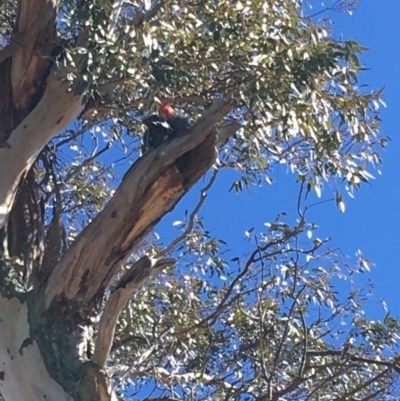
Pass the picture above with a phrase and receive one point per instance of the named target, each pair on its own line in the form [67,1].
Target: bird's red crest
[165,111]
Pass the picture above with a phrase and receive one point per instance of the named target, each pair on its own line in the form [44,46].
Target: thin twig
[286,331]
[85,163]
[190,225]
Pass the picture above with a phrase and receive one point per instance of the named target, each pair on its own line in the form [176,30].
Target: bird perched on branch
[157,133]
[164,126]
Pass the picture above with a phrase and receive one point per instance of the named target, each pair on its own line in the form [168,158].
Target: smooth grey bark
[48,345]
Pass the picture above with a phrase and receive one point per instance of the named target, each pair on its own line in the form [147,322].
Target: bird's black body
[159,132]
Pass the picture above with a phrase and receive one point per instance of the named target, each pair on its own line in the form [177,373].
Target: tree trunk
[54,112]
[26,376]
[48,307]
[23,373]
[49,331]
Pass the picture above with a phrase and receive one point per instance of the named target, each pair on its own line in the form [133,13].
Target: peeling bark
[25,229]
[55,111]
[33,42]
[59,335]
[25,63]
[150,189]
[23,374]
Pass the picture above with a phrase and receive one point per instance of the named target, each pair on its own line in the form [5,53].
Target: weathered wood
[150,189]
[26,62]
[33,41]
[23,374]
[55,111]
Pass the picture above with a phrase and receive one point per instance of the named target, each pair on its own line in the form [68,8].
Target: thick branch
[131,281]
[33,42]
[150,189]
[25,63]
[226,131]
[55,111]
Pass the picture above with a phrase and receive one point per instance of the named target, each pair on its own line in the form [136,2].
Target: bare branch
[139,18]
[206,61]
[287,325]
[72,137]
[127,340]
[187,99]
[189,227]
[305,342]
[394,365]
[87,161]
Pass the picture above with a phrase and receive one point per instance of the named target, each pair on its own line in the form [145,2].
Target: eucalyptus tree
[94,304]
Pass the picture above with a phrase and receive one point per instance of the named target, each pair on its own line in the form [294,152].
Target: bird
[164,126]
[157,133]
[179,123]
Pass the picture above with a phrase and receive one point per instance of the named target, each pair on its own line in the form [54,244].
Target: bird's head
[165,111]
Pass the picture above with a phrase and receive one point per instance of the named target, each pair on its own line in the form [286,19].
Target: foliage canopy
[269,325]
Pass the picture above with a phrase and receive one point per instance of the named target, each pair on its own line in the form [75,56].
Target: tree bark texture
[47,308]
[150,189]
[58,313]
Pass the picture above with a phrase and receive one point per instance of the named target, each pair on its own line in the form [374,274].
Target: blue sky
[372,220]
